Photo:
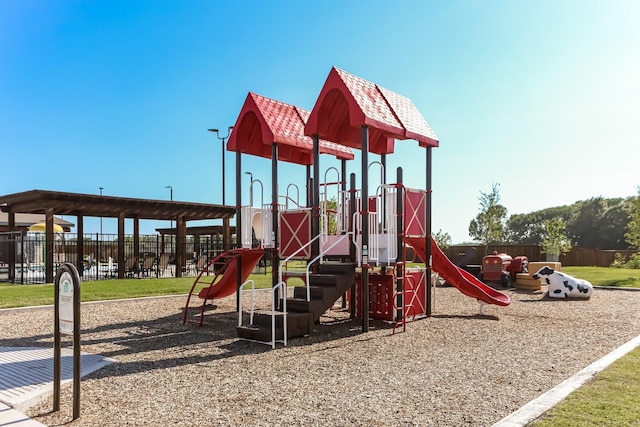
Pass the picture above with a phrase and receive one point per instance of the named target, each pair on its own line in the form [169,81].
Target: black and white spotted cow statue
[562,285]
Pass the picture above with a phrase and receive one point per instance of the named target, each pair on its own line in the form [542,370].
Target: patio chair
[163,263]
[131,267]
[147,265]
[111,270]
[202,262]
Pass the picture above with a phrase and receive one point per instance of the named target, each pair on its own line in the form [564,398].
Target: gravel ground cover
[456,368]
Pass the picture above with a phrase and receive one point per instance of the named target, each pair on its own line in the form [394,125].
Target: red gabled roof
[347,102]
[263,121]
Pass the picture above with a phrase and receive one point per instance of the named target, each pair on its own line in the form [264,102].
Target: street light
[222,139]
[101,188]
[250,189]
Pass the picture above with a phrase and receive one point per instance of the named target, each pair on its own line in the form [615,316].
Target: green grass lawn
[612,398]
[30,295]
[603,276]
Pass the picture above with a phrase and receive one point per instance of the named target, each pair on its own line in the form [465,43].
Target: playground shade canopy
[347,102]
[264,121]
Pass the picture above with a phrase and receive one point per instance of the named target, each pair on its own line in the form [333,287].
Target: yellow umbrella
[41,227]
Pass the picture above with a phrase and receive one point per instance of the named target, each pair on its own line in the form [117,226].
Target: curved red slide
[227,284]
[464,281]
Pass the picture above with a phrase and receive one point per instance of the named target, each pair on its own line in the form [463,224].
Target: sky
[541,97]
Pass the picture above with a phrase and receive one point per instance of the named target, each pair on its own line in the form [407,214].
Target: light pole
[101,188]
[222,139]
[250,189]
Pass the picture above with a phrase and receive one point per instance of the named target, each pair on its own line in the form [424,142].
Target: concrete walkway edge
[544,402]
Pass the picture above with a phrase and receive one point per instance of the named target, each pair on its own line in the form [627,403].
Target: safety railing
[278,287]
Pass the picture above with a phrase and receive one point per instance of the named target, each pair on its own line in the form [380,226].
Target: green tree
[633,226]
[443,239]
[489,225]
[554,240]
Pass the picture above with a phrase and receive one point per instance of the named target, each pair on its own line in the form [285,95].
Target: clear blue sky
[542,97]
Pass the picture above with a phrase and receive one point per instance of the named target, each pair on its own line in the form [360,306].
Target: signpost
[67,322]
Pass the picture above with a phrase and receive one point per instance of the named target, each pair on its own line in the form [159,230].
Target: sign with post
[67,322]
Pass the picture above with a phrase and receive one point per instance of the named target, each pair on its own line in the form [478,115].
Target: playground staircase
[327,285]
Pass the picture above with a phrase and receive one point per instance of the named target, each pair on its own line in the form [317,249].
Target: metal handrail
[284,316]
[253,288]
[273,311]
[319,257]
[286,260]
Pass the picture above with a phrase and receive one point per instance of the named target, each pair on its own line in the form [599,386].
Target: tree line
[596,223]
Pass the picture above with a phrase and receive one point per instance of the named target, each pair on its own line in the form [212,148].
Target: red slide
[227,284]
[466,282]
[219,278]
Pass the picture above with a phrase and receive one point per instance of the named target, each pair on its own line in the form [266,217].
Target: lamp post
[222,139]
[250,189]
[101,188]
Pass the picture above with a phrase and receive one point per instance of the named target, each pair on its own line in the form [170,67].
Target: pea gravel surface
[456,368]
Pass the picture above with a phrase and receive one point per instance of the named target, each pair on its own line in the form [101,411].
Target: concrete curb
[546,401]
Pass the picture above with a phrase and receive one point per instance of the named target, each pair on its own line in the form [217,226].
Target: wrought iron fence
[155,257]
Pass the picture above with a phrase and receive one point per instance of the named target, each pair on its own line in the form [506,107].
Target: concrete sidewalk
[26,378]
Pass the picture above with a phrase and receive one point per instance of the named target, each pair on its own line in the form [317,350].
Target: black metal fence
[155,256]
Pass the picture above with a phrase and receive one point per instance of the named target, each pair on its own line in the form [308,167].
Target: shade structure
[347,102]
[264,121]
[41,227]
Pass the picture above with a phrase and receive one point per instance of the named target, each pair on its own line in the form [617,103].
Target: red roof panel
[263,121]
[347,102]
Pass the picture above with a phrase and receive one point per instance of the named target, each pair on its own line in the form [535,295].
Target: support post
[352,226]
[400,261]
[428,302]
[238,223]
[275,259]
[364,281]
[48,244]
[315,208]
[80,245]
[121,246]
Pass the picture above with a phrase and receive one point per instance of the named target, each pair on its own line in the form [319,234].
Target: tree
[443,239]
[554,241]
[633,226]
[489,225]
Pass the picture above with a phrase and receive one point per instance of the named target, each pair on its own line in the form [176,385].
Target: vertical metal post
[309,186]
[352,226]
[341,201]
[80,244]
[275,260]
[238,223]
[400,266]
[315,208]
[428,231]
[364,291]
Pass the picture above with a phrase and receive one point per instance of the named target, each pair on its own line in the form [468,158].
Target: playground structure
[353,241]
[502,268]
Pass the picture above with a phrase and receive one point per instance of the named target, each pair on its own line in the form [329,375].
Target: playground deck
[456,368]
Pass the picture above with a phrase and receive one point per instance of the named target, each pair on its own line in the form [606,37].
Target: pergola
[52,203]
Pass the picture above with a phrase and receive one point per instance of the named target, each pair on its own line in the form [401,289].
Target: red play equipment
[502,268]
[352,241]
[218,278]
[461,279]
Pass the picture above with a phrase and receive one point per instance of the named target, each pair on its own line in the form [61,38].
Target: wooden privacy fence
[577,256]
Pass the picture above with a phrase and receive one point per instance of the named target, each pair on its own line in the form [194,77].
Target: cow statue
[562,285]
